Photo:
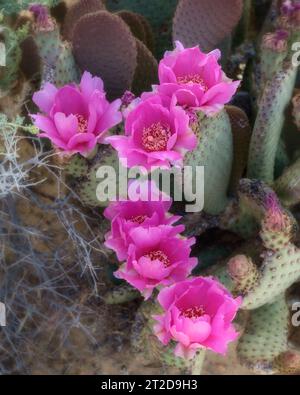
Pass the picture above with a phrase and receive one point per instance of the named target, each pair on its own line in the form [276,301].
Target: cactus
[121,294]
[266,335]
[119,57]
[10,73]
[296,109]
[269,123]
[58,62]
[215,153]
[125,64]
[77,167]
[86,181]
[287,186]
[247,235]
[241,131]
[214,21]
[158,14]
[261,284]
[15,6]
[139,27]
[76,11]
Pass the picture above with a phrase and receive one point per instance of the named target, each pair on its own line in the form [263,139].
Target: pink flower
[76,118]
[128,214]
[157,256]
[195,79]
[198,314]
[155,135]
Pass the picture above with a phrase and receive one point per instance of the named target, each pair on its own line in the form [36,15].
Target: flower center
[139,219]
[155,137]
[193,312]
[82,123]
[161,256]
[192,78]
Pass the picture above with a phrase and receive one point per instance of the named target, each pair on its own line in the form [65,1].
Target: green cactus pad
[270,63]
[265,336]
[121,294]
[278,272]
[204,22]
[9,74]
[65,70]
[267,130]
[48,43]
[87,186]
[104,45]
[288,185]
[215,153]
[77,166]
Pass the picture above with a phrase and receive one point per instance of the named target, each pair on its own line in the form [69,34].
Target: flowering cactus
[113,93]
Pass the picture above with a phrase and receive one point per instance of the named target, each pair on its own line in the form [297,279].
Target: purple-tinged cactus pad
[146,71]
[77,11]
[204,22]
[135,23]
[104,45]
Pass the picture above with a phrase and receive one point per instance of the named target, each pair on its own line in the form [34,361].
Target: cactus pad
[214,152]
[104,45]
[265,337]
[267,130]
[146,72]
[205,23]
[78,10]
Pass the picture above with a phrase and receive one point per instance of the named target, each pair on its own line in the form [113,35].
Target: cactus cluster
[103,78]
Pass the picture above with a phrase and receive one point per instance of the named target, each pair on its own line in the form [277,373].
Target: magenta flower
[198,314]
[195,79]
[155,135]
[127,215]
[76,118]
[157,256]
